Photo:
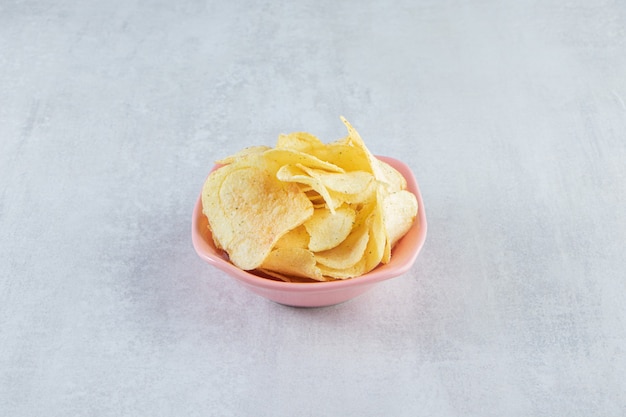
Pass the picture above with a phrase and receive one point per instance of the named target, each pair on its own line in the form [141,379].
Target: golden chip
[295,238]
[295,262]
[244,153]
[399,211]
[249,210]
[308,211]
[327,229]
[292,157]
[298,174]
[299,141]
[348,252]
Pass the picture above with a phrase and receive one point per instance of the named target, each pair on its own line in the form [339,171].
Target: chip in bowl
[306,210]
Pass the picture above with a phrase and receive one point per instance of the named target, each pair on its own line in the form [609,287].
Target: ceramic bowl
[318,294]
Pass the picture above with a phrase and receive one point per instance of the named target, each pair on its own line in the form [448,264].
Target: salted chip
[376,246]
[355,182]
[339,198]
[399,211]
[244,153]
[296,238]
[283,157]
[249,210]
[347,253]
[372,255]
[296,262]
[393,181]
[307,211]
[382,171]
[344,154]
[299,141]
[351,187]
[298,174]
[290,278]
[355,270]
[354,139]
[327,229]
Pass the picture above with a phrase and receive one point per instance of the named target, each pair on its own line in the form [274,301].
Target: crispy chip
[244,153]
[249,210]
[307,211]
[327,229]
[347,253]
[298,174]
[389,176]
[297,262]
[296,238]
[292,157]
[345,155]
[355,182]
[382,171]
[289,278]
[299,141]
[399,211]
[379,250]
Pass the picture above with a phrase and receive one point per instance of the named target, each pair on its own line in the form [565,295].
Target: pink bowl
[318,294]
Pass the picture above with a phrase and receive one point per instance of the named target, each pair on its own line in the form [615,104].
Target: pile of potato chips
[306,210]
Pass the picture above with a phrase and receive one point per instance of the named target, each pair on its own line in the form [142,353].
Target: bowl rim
[208,252]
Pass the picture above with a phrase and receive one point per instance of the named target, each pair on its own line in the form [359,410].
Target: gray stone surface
[511,114]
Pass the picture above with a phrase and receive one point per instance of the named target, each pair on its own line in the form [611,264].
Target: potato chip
[355,182]
[382,171]
[266,273]
[339,198]
[399,211]
[389,176]
[295,262]
[299,141]
[356,270]
[327,229]
[345,155]
[338,188]
[292,157]
[383,249]
[244,153]
[348,252]
[298,174]
[372,256]
[249,210]
[341,153]
[295,238]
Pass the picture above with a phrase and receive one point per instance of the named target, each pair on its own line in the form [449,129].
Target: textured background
[511,114]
